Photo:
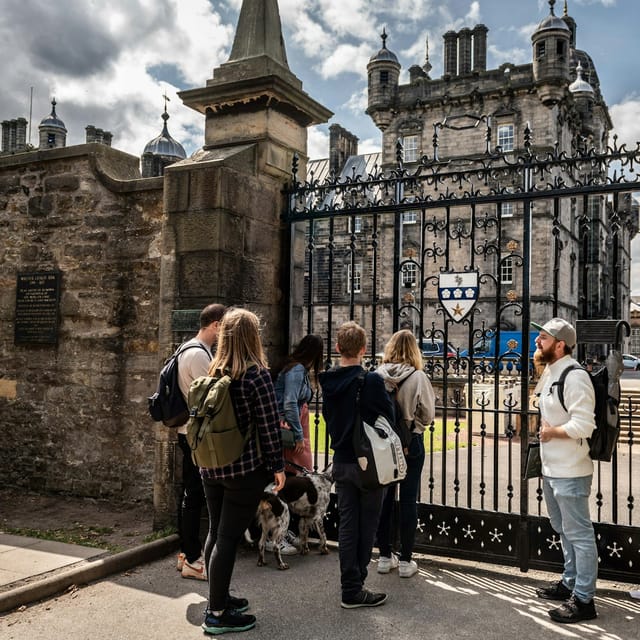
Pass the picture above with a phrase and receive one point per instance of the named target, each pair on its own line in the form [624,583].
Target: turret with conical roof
[551,54]
[52,131]
[383,72]
[162,151]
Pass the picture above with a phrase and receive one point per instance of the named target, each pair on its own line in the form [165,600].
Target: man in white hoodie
[567,470]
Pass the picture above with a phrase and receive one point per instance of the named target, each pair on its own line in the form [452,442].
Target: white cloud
[626,120]
[317,143]
[346,58]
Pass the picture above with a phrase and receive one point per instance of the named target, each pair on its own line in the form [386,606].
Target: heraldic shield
[458,293]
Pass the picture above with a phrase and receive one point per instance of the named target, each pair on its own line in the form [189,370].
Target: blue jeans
[409,489]
[358,510]
[568,506]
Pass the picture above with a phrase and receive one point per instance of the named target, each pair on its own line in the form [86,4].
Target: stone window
[560,49]
[505,137]
[354,283]
[506,210]
[410,217]
[384,77]
[51,139]
[410,148]
[355,224]
[506,271]
[540,50]
[409,274]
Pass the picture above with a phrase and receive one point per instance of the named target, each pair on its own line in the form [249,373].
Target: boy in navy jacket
[359,509]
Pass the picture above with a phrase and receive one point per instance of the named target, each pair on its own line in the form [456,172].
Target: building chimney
[451,53]
[342,145]
[464,51]
[480,47]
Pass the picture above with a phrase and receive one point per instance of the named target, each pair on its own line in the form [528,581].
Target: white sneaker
[387,564]
[292,539]
[407,569]
[195,569]
[286,549]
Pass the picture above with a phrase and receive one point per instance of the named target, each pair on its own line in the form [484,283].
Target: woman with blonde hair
[404,378]
[233,491]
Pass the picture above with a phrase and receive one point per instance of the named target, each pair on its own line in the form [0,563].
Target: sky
[109,64]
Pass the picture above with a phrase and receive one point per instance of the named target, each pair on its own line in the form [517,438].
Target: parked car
[630,362]
[431,349]
[435,349]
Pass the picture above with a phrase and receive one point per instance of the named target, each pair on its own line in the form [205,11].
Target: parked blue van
[510,347]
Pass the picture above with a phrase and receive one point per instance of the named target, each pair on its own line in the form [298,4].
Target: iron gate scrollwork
[544,234]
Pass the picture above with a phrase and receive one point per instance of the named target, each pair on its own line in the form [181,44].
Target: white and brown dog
[273,518]
[308,496]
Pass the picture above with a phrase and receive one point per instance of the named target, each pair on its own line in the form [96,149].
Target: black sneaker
[573,610]
[364,599]
[239,604]
[230,620]
[555,591]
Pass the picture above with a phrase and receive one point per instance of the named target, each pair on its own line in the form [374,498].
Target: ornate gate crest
[458,293]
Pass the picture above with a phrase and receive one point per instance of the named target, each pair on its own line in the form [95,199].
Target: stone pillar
[223,239]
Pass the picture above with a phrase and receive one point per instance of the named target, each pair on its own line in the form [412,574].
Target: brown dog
[273,517]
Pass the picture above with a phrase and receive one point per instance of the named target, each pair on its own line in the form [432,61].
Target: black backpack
[604,438]
[167,404]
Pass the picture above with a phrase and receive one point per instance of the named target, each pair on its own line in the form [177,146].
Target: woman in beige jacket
[405,379]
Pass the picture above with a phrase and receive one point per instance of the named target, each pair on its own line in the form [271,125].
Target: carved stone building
[551,105]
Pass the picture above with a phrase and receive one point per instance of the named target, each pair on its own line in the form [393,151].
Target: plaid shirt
[254,401]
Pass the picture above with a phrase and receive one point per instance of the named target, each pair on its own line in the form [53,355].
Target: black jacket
[339,387]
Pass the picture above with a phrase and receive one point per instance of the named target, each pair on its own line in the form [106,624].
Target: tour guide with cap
[567,469]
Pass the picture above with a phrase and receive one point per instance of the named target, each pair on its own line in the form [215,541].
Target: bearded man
[567,470]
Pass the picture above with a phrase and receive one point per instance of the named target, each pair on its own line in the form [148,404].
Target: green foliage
[440,442]
[85,535]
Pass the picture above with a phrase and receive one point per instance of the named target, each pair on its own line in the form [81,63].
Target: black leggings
[232,504]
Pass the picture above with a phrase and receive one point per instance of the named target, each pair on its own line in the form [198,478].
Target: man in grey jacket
[567,470]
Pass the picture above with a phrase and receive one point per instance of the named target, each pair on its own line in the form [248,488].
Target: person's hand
[546,431]
[278,480]
[299,446]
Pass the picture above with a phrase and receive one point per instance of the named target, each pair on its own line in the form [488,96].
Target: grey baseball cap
[560,329]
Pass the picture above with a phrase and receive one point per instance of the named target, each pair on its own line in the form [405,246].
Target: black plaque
[37,303]
[185,320]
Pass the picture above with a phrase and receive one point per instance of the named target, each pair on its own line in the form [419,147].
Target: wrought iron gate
[466,253]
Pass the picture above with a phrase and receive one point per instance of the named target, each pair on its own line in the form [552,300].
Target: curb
[101,568]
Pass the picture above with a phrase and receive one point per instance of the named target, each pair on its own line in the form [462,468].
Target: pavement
[68,592]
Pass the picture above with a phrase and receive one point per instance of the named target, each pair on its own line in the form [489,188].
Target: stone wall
[73,415]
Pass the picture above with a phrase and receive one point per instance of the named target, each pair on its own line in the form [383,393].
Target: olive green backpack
[213,432]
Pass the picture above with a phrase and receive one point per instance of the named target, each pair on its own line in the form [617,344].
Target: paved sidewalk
[22,558]
[446,599]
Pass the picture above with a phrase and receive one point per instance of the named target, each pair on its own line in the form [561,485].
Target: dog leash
[304,469]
